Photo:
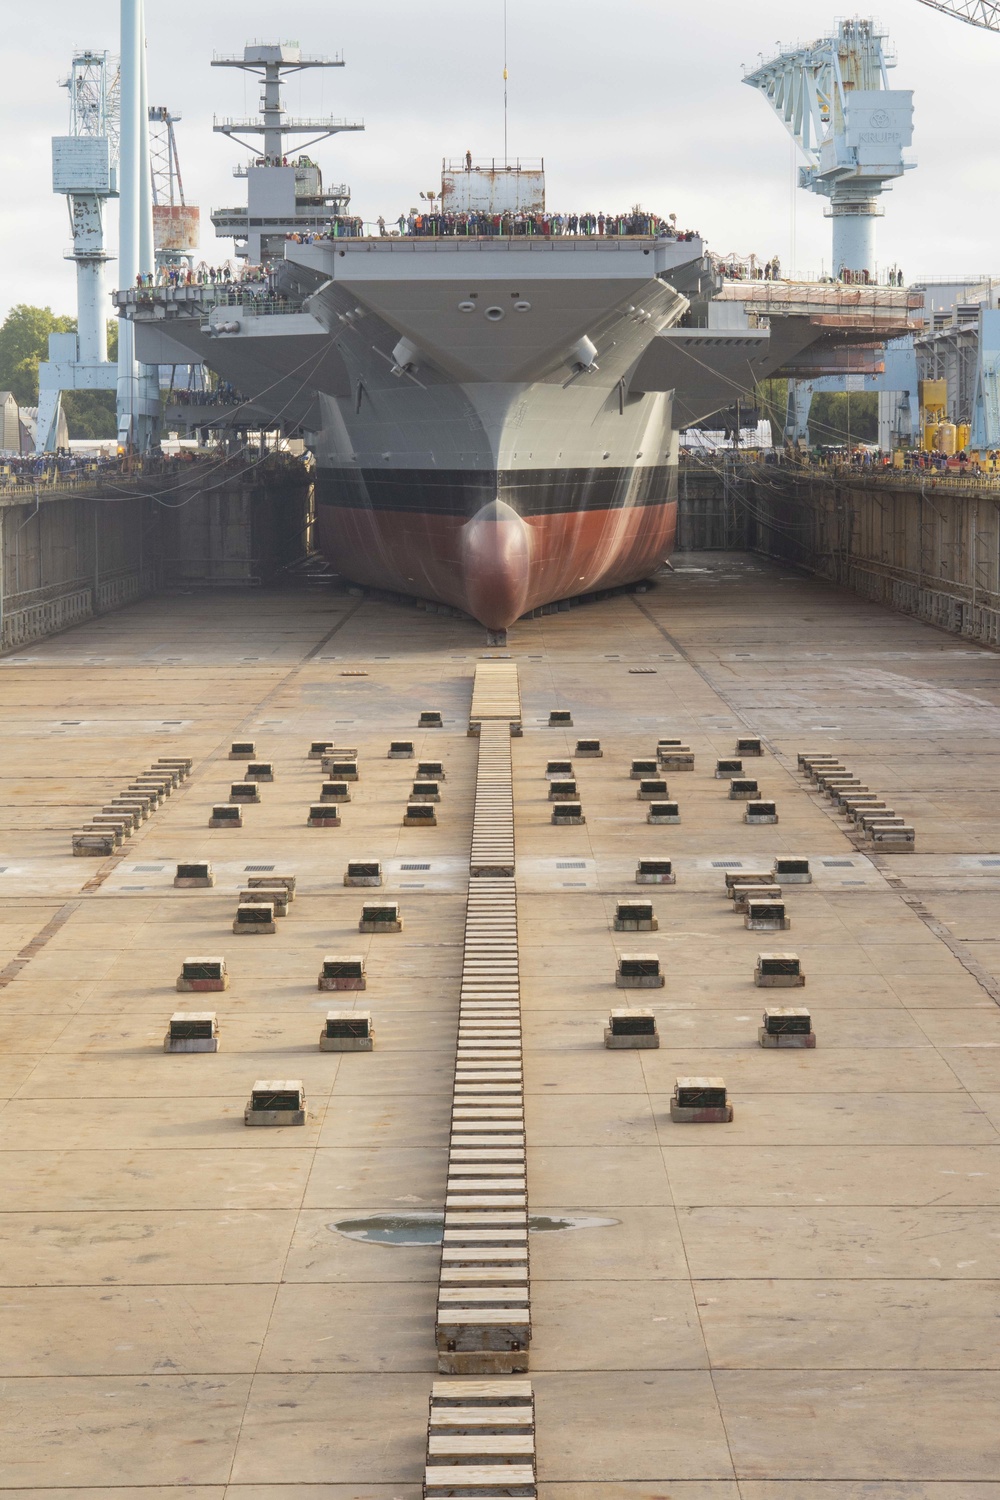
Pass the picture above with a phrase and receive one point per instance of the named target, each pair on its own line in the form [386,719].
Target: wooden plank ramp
[481,1439]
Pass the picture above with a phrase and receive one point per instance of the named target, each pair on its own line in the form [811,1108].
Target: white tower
[84,167]
[834,99]
[138,388]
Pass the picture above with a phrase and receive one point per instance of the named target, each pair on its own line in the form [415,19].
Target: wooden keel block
[568,814]
[744,894]
[634,916]
[194,874]
[93,843]
[676,759]
[277,1101]
[226,817]
[380,916]
[275,895]
[254,918]
[192,1031]
[335,791]
[893,838]
[347,1031]
[183,764]
[761,812]
[367,872]
[664,812]
[631,1029]
[737,878]
[638,971]
[261,882]
[725,769]
[244,792]
[200,975]
[778,971]
[558,768]
[340,768]
[700,1101]
[323,815]
[786,1026]
[342,972]
[766,916]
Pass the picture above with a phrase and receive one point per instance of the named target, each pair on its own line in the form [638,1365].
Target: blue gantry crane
[833,97]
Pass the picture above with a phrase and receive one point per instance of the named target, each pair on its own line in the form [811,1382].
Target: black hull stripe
[530,492]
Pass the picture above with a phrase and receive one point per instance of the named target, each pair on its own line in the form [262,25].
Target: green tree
[24,342]
[90,414]
[839,418]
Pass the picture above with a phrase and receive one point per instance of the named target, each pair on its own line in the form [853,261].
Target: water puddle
[427,1227]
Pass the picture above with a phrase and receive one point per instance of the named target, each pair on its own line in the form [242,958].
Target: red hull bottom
[496,566]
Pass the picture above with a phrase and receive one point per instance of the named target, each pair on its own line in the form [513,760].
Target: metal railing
[915,481]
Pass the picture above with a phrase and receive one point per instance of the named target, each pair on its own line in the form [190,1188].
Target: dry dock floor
[801,1305]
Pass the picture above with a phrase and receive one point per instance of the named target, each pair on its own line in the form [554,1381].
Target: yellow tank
[945,438]
[964,433]
[933,409]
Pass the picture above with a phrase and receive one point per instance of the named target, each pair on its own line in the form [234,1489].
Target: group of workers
[475,223]
[434,224]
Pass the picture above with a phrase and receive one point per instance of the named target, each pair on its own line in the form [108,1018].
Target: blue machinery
[834,99]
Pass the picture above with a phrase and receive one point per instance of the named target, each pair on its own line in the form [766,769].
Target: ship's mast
[296,203]
[270,64]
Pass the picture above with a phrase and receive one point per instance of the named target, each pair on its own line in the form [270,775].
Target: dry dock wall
[64,560]
[70,551]
[929,547]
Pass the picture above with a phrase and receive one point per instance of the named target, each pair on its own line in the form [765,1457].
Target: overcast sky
[627,101]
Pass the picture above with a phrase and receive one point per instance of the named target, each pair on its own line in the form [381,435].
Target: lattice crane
[976,12]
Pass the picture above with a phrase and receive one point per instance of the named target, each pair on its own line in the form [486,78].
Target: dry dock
[798,1305]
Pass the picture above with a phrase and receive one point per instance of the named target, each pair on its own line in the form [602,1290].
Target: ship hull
[499,546]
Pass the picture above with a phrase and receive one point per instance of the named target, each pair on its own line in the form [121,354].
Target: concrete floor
[796,1306]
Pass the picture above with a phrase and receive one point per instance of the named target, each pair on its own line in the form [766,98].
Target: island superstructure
[493,406]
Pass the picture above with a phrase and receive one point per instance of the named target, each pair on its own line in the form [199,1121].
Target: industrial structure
[977,12]
[176,222]
[138,385]
[834,99]
[285,192]
[85,169]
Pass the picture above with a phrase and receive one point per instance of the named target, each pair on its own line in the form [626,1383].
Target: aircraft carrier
[493,411]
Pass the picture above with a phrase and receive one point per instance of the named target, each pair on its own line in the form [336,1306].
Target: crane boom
[984,13]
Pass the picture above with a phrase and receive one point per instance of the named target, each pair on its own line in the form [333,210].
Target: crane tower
[834,99]
[84,168]
[175,222]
